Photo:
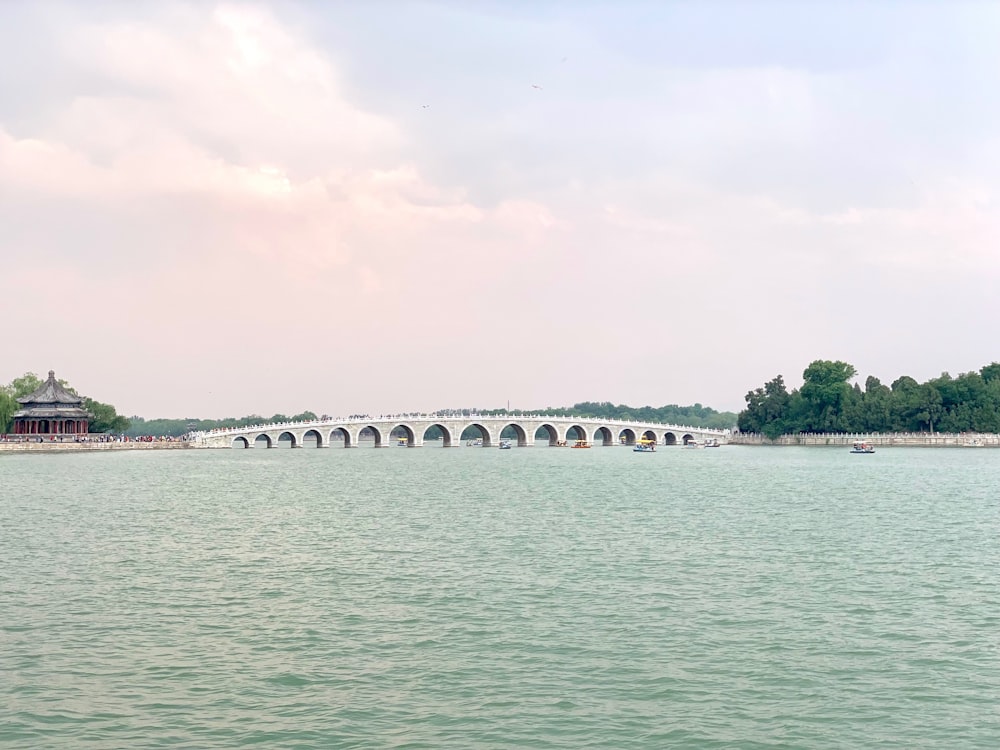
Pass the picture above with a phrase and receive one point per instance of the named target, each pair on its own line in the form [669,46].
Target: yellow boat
[582,444]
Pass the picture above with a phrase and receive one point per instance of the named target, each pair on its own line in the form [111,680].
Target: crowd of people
[101,438]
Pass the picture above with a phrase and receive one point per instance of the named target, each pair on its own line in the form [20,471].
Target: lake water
[476,598]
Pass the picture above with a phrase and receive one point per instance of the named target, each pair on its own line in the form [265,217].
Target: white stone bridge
[392,429]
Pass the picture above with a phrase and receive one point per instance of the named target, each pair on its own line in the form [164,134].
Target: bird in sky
[425,106]
[536,86]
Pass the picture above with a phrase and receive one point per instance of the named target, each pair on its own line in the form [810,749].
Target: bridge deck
[527,430]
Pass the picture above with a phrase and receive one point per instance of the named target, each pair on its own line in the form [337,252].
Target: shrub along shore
[884,439]
[828,403]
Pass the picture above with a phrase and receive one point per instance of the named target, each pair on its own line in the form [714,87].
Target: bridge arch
[379,442]
[448,440]
[604,435]
[522,436]
[314,434]
[529,431]
[549,433]
[340,434]
[627,436]
[407,431]
[484,433]
[241,441]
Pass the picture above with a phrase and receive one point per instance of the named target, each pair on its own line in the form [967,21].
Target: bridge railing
[402,418]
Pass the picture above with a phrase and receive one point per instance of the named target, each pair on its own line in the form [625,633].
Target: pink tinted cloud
[239,185]
[225,202]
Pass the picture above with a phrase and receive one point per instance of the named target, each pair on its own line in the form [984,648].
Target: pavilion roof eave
[52,413]
[51,392]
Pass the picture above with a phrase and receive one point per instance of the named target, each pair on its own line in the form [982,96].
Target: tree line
[828,402]
[104,416]
[695,416]
[178,427]
[107,419]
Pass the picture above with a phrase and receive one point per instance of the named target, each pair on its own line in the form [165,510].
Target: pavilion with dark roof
[51,412]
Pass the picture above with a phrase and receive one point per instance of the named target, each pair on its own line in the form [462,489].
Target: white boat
[644,445]
[504,445]
[712,443]
[477,443]
[860,446]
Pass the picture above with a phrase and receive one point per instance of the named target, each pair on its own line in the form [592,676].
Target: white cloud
[229,107]
[201,162]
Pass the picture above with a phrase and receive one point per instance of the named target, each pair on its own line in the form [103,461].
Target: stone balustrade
[555,430]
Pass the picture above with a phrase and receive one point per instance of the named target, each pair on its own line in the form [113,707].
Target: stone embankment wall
[900,439]
[53,447]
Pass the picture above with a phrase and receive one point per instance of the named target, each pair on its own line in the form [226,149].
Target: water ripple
[479,599]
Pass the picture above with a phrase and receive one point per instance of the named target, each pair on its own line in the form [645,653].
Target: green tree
[104,418]
[991,372]
[26,384]
[906,404]
[931,406]
[825,391]
[852,411]
[7,408]
[828,403]
[695,415]
[963,400]
[876,406]
[17,388]
[990,420]
[775,407]
[751,419]
[767,409]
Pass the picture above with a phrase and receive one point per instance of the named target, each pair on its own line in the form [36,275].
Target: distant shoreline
[55,447]
[884,439]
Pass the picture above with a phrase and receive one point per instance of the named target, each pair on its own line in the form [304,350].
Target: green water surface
[475,598]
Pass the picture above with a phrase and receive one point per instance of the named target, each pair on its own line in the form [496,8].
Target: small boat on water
[861,446]
[581,444]
[974,443]
[712,443]
[504,445]
[644,445]
[477,443]
[402,442]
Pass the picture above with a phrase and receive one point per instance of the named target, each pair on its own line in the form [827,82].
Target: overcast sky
[211,210]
